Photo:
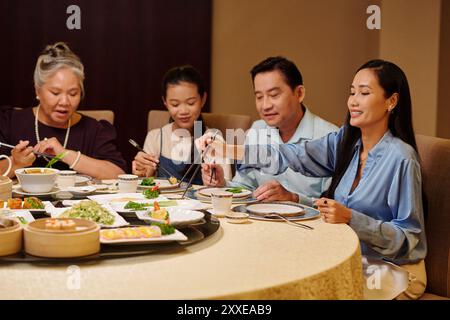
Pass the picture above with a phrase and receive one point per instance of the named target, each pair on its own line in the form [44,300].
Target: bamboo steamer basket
[5,188]
[41,242]
[11,239]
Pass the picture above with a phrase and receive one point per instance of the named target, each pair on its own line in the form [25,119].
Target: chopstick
[137,146]
[199,165]
[190,181]
[213,174]
[35,152]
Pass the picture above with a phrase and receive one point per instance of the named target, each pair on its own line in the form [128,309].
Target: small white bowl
[37,180]
[237,217]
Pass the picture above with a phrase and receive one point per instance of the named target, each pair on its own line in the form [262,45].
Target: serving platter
[177,236]
[119,221]
[48,207]
[177,216]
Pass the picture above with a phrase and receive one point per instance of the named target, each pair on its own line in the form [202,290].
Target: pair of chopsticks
[199,165]
[137,146]
[40,154]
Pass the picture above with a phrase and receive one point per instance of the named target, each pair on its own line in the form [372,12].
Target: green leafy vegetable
[56,159]
[151,193]
[137,206]
[89,210]
[167,203]
[148,182]
[235,190]
[22,220]
[165,228]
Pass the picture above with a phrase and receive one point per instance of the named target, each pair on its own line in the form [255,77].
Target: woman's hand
[218,178]
[332,211]
[144,164]
[50,146]
[274,191]
[22,155]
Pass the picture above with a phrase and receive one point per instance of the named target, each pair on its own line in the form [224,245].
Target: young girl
[171,147]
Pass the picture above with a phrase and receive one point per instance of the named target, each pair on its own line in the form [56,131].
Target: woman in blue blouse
[376,183]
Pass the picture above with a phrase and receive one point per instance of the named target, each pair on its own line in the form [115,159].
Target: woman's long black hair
[393,80]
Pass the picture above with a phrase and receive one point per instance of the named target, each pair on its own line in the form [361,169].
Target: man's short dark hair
[287,68]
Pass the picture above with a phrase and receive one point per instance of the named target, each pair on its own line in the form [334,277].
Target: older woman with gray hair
[54,127]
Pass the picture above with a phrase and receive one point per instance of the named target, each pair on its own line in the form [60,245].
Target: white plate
[18,189]
[163,184]
[206,192]
[120,206]
[184,204]
[268,208]
[192,194]
[118,220]
[82,190]
[121,197]
[177,236]
[25,214]
[177,216]
[48,207]
[79,179]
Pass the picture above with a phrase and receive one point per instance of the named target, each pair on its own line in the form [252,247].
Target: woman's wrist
[77,159]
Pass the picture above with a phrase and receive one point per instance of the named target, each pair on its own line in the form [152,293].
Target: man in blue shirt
[279,94]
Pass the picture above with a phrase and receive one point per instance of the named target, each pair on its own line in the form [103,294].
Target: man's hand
[274,191]
[218,179]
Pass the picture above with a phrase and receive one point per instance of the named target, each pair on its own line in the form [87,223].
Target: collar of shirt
[305,129]
[378,150]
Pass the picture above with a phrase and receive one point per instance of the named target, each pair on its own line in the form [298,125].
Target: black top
[93,138]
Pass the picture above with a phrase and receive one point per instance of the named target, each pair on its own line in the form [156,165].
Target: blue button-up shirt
[387,211]
[310,127]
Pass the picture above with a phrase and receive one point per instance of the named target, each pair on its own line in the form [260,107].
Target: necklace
[36,129]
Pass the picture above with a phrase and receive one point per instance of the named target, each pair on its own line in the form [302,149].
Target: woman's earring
[37,97]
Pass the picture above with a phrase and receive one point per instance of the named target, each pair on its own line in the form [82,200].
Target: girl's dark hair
[188,74]
[393,80]
[184,73]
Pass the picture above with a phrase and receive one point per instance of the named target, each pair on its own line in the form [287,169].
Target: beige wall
[443,116]
[328,40]
[410,37]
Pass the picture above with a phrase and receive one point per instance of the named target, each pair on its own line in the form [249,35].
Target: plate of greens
[163,184]
[102,214]
[141,205]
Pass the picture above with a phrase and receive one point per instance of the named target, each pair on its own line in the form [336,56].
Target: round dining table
[254,260]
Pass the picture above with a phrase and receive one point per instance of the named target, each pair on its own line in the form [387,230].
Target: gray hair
[54,58]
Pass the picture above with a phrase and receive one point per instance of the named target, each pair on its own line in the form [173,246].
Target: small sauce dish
[237,217]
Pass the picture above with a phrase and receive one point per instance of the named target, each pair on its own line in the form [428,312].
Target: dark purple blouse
[93,138]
